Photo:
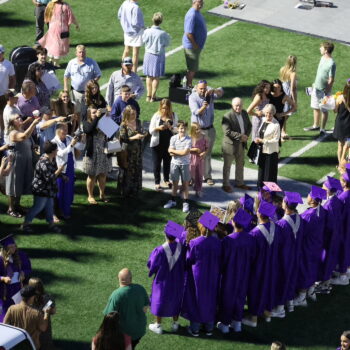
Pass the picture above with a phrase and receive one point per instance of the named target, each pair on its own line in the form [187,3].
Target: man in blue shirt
[201,103]
[40,6]
[195,35]
[78,73]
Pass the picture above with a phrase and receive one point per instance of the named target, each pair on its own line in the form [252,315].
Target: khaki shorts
[316,97]
[133,41]
[177,171]
[192,59]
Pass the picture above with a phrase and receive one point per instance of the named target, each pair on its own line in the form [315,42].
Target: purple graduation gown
[311,252]
[288,257]
[236,259]
[261,287]
[168,283]
[7,291]
[344,247]
[202,280]
[332,236]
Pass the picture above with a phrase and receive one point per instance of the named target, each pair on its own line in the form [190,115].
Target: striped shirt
[181,144]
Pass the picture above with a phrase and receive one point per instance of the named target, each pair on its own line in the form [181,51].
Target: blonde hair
[11,126]
[165,102]
[49,10]
[157,18]
[193,131]
[289,68]
[128,111]
[80,47]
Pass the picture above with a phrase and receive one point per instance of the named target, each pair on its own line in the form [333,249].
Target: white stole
[172,259]
[269,235]
[295,226]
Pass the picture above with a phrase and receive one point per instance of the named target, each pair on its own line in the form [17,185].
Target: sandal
[168,184]
[92,201]
[56,220]
[14,214]
[148,99]
[104,199]
[158,188]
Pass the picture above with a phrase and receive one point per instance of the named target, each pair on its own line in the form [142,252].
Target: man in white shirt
[10,110]
[7,81]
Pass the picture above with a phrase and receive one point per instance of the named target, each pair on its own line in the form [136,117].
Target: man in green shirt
[322,87]
[131,301]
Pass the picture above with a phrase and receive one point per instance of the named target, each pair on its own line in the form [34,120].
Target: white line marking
[321,181]
[303,150]
[179,48]
[3,1]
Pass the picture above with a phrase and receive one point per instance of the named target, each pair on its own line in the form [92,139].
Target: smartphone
[47,305]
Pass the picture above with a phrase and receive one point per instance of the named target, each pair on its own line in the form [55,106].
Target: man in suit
[236,127]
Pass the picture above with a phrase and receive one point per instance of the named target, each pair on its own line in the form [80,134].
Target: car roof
[10,336]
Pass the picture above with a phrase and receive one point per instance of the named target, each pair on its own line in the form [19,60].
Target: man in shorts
[193,40]
[322,87]
[179,149]
[131,20]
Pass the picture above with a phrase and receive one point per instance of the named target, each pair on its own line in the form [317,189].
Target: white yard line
[302,150]
[3,1]
[179,48]
[321,181]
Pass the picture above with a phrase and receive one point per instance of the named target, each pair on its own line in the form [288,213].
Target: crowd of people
[210,268]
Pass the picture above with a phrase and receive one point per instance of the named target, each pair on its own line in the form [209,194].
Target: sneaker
[155,328]
[308,90]
[249,323]
[323,132]
[194,334]
[312,128]
[185,207]
[236,326]
[300,301]
[210,182]
[348,272]
[170,204]
[175,327]
[209,333]
[312,295]
[342,280]
[223,328]
[290,306]
[268,319]
[278,314]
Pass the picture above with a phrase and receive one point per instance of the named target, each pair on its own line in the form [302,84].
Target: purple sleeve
[189,23]
[154,262]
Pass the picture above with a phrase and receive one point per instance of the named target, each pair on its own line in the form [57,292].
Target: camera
[169,122]
[208,98]
[78,134]
[68,119]
[10,147]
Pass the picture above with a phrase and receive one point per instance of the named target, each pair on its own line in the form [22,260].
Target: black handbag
[64,35]
[252,151]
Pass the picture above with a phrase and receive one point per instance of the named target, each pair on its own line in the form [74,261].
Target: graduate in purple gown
[314,219]
[201,287]
[15,267]
[344,246]
[167,263]
[236,258]
[332,234]
[288,254]
[248,205]
[261,287]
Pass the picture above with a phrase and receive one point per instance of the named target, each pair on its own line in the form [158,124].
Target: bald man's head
[124,277]
[237,104]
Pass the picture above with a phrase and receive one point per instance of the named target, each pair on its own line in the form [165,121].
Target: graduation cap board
[333,184]
[267,209]
[272,186]
[219,212]
[242,218]
[6,241]
[173,229]
[209,220]
[318,193]
[247,202]
[293,198]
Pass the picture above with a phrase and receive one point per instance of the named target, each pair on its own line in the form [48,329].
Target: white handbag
[113,146]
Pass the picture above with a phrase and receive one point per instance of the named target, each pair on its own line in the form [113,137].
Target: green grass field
[79,266]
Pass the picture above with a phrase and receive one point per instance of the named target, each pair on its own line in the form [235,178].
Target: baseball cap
[127,61]
[2,48]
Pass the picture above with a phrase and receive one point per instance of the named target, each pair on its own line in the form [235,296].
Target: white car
[15,338]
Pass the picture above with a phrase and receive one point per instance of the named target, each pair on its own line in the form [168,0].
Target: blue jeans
[39,204]
[195,326]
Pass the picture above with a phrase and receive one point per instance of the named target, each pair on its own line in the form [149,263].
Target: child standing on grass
[198,152]
[179,148]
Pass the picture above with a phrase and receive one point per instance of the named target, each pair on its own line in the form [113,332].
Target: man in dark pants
[40,6]
[131,301]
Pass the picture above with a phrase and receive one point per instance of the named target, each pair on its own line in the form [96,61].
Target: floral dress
[132,178]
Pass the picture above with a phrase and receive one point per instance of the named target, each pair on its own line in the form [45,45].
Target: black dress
[341,130]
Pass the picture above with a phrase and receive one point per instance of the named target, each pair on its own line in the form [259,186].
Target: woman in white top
[162,127]
[155,40]
[268,140]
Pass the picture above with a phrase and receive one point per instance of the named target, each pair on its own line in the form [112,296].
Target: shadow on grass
[316,161]
[6,20]
[115,63]
[239,91]
[50,277]
[100,44]
[61,344]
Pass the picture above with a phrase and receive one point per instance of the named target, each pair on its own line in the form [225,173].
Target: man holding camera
[201,103]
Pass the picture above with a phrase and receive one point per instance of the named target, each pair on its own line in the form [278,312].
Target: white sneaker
[170,204]
[236,326]
[155,328]
[348,272]
[278,313]
[175,327]
[312,295]
[185,207]
[249,323]
[268,319]
[223,328]
[300,301]
[342,280]
[290,306]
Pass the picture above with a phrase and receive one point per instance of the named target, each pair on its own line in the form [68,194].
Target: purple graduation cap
[267,209]
[271,187]
[346,175]
[173,229]
[209,220]
[318,193]
[6,241]
[293,198]
[247,202]
[333,184]
[242,218]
